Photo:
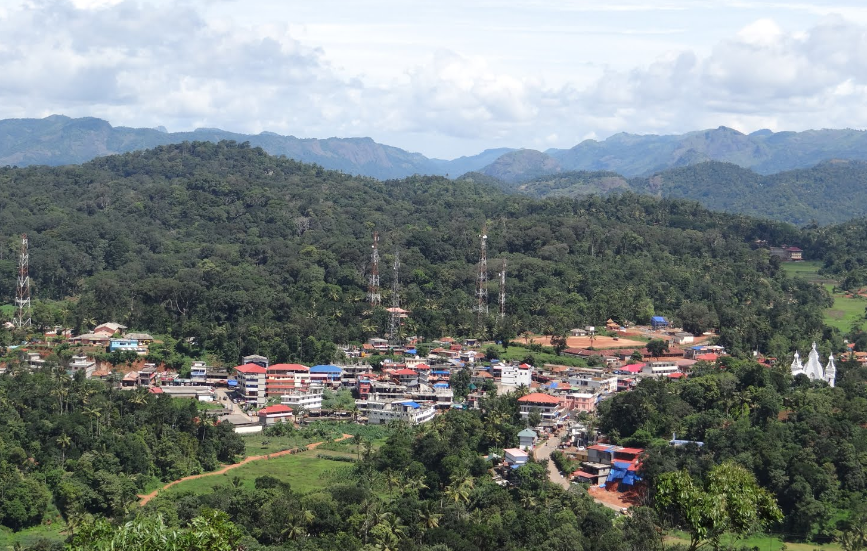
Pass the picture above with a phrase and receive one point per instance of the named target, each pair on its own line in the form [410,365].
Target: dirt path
[146,498]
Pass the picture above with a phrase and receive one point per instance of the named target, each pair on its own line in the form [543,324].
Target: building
[516,375]
[658,322]
[351,373]
[813,370]
[383,412]
[308,401]
[80,362]
[788,254]
[594,383]
[516,457]
[147,375]
[405,376]
[550,407]
[583,401]
[660,369]
[682,337]
[251,383]
[283,379]
[275,414]
[255,359]
[142,338]
[127,345]
[326,375]
[527,439]
[199,373]
[109,329]
[439,395]
[92,339]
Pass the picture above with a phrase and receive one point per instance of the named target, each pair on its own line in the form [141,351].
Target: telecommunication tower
[482,289]
[394,319]
[503,290]
[373,293]
[22,296]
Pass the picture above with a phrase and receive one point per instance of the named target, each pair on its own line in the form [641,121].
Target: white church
[813,369]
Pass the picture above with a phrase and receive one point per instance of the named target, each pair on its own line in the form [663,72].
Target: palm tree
[64,441]
[93,412]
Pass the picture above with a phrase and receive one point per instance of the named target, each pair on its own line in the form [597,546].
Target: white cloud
[439,89]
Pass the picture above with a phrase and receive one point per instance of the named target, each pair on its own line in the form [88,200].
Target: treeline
[806,443]
[227,249]
[88,448]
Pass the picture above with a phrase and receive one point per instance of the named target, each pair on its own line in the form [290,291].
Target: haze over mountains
[816,176]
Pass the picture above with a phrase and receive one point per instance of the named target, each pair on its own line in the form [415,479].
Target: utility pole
[482,287]
[22,296]
[373,293]
[394,319]
[503,291]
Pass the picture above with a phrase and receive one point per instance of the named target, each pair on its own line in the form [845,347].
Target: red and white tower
[22,295]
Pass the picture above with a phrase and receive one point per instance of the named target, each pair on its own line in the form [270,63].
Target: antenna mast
[373,293]
[482,289]
[394,319]
[503,291]
[22,296]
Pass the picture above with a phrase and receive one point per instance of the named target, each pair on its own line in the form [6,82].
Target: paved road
[222,397]
[543,451]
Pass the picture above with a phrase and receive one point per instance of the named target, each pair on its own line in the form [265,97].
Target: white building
[813,369]
[662,368]
[594,383]
[381,413]
[516,456]
[251,383]
[516,375]
[309,401]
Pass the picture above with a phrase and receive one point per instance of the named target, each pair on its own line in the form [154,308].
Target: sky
[444,78]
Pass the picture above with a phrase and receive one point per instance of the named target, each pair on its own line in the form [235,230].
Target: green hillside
[236,251]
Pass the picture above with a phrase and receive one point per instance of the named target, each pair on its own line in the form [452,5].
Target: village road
[543,451]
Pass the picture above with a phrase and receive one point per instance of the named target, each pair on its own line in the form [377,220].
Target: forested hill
[244,252]
[829,193]
[59,140]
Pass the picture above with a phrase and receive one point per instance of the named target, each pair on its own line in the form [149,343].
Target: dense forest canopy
[241,252]
[226,249]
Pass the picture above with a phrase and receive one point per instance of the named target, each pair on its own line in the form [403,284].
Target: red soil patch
[146,498]
[623,500]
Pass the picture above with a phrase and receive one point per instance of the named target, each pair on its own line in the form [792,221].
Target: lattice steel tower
[373,293]
[22,296]
[482,288]
[503,290]
[394,319]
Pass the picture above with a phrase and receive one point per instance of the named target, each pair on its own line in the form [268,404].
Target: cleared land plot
[304,471]
[584,342]
[30,536]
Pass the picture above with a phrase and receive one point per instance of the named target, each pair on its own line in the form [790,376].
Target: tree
[657,347]
[559,343]
[534,418]
[729,501]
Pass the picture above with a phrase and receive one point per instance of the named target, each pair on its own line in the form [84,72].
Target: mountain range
[830,192]
[60,140]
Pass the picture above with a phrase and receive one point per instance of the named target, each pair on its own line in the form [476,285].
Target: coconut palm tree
[64,441]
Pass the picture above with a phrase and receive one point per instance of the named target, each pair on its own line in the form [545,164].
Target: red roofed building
[275,414]
[283,379]
[405,376]
[550,407]
[251,383]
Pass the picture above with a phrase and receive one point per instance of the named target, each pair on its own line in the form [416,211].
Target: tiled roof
[271,410]
[539,398]
[250,368]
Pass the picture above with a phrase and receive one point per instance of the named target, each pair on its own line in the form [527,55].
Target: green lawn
[30,536]
[846,311]
[762,542]
[303,471]
[518,353]
[259,444]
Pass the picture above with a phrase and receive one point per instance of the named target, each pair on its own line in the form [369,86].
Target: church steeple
[830,371]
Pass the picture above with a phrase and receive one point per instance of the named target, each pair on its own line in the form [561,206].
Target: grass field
[760,542]
[303,471]
[30,536]
[846,311]
[259,444]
